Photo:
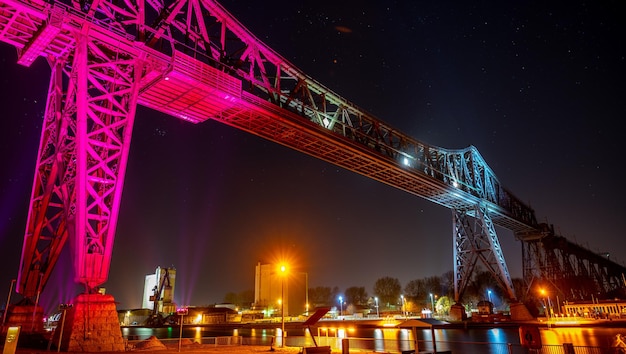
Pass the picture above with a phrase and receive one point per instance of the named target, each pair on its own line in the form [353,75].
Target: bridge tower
[82,157]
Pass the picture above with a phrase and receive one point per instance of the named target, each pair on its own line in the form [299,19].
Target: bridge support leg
[457,312]
[519,312]
[91,325]
[474,239]
[26,315]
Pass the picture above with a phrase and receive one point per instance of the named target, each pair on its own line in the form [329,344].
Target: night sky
[538,87]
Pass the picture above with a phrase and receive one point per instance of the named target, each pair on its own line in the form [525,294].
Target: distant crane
[156,319]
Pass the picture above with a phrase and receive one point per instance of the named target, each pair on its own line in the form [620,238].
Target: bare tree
[356,295]
[447,283]
[433,285]
[320,296]
[323,296]
[388,290]
[415,290]
[243,299]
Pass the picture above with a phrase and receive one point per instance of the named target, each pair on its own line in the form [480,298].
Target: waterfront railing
[369,345]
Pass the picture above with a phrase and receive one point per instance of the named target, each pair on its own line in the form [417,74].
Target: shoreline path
[196,349]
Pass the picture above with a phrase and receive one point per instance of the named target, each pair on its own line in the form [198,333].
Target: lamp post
[306,292]
[181,312]
[62,307]
[377,313]
[340,306]
[6,307]
[283,270]
[546,303]
[432,304]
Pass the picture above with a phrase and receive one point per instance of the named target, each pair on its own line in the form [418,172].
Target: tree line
[435,293]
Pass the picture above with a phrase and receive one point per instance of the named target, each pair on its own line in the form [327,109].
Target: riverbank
[210,349]
[542,322]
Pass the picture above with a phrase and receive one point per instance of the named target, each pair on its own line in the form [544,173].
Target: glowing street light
[546,302]
[432,304]
[377,313]
[340,306]
[283,271]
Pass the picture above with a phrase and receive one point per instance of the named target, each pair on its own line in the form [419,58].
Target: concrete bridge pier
[91,324]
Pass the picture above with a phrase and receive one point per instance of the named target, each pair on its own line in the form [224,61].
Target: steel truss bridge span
[193,60]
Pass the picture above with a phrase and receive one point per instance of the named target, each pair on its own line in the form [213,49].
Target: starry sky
[537,87]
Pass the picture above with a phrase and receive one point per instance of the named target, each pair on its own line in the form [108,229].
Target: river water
[470,340]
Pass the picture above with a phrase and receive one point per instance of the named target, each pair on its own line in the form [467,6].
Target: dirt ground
[237,349]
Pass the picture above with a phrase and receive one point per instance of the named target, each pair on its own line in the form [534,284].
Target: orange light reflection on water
[197,336]
[576,335]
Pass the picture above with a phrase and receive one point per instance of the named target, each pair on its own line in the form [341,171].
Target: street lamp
[377,313]
[546,303]
[340,306]
[432,304]
[181,312]
[62,307]
[283,270]
[6,307]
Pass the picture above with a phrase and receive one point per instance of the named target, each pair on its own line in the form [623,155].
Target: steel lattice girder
[82,160]
[574,271]
[475,239]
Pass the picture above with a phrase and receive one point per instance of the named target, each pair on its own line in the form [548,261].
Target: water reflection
[596,337]
[404,339]
[394,339]
[496,335]
[197,335]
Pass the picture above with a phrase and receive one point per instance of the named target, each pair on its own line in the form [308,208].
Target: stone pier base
[25,315]
[457,312]
[519,312]
[91,324]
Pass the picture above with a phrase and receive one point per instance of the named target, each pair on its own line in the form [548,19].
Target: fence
[408,346]
[368,345]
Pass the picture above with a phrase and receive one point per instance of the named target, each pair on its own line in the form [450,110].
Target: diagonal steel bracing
[81,163]
[475,239]
[572,272]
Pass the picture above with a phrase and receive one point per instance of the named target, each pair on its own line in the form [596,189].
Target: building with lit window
[595,309]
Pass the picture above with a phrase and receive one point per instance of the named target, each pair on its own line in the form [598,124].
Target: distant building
[596,309]
[163,280]
[195,315]
[269,290]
